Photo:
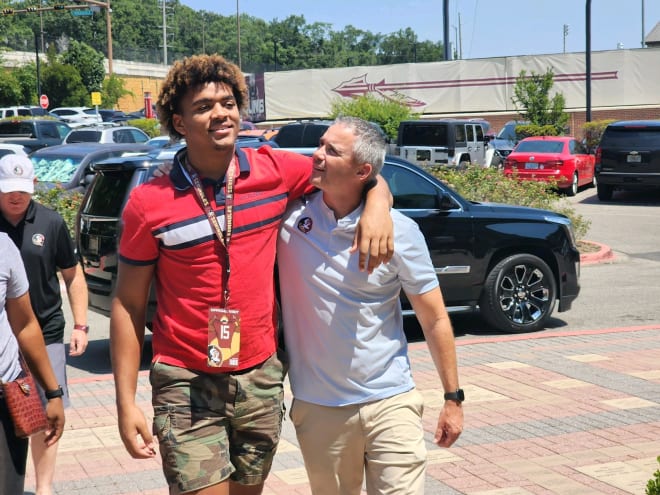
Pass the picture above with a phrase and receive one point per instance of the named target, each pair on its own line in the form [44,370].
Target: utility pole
[643,36]
[566,31]
[238,36]
[445,28]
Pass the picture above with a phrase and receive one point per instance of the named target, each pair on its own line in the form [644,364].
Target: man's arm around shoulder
[439,334]
[127,322]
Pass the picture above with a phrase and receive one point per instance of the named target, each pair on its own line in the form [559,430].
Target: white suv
[106,134]
[77,116]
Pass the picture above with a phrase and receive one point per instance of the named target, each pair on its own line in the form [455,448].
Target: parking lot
[572,409]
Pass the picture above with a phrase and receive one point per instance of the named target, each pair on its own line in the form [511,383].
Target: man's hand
[135,433]
[163,169]
[78,343]
[374,237]
[55,415]
[450,424]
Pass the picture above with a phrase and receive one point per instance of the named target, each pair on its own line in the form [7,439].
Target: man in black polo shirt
[46,247]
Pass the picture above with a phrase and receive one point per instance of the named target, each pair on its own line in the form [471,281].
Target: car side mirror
[445,202]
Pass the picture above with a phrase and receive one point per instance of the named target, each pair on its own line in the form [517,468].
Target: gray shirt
[13,284]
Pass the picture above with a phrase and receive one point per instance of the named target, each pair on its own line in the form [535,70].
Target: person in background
[47,250]
[19,329]
[355,407]
[216,375]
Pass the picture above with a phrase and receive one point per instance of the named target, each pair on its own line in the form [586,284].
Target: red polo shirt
[165,225]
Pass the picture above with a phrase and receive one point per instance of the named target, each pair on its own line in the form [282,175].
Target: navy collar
[179,175]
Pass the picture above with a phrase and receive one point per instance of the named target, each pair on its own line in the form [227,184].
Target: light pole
[566,31]
[238,36]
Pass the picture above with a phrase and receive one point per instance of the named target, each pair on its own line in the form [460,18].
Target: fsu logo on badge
[305,225]
[38,240]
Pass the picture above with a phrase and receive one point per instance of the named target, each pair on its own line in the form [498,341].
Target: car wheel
[519,294]
[604,191]
[573,188]
[594,181]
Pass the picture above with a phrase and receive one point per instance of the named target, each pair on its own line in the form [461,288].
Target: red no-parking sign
[43,101]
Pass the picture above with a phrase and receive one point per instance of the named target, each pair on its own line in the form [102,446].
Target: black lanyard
[213,220]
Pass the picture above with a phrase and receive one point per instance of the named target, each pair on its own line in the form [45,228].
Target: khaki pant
[381,441]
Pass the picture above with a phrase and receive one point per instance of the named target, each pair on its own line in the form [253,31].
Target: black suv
[512,262]
[628,157]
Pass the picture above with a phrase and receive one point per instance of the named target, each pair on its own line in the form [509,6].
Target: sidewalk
[549,413]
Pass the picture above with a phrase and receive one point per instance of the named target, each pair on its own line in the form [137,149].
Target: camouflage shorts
[212,427]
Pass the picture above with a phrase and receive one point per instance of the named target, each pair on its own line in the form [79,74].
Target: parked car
[12,149]
[23,111]
[70,165]
[514,263]
[504,142]
[108,115]
[628,157]
[304,136]
[562,159]
[33,133]
[77,116]
[107,134]
[445,142]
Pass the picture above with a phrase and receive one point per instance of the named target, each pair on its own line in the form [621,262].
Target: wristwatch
[84,328]
[54,394]
[458,396]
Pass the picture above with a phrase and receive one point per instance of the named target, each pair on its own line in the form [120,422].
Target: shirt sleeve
[137,244]
[66,253]
[17,285]
[296,170]
[415,268]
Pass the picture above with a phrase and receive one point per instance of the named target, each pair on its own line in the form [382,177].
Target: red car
[560,158]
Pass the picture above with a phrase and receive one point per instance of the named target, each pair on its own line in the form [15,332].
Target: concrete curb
[603,254]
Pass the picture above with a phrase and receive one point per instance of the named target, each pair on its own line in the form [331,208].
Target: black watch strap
[458,396]
[54,394]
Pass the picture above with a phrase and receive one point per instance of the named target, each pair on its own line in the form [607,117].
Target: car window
[480,133]
[410,190]
[460,134]
[138,137]
[470,132]
[424,135]
[537,146]
[631,137]
[107,194]
[50,131]
[290,136]
[59,168]
[84,137]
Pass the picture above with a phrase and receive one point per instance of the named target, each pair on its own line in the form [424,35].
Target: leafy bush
[150,126]
[528,130]
[386,113]
[653,486]
[490,185]
[64,202]
[593,131]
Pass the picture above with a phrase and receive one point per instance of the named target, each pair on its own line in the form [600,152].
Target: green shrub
[150,126]
[653,486]
[593,131]
[64,202]
[528,130]
[490,185]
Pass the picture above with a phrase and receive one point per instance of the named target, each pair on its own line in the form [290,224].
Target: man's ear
[177,123]
[364,172]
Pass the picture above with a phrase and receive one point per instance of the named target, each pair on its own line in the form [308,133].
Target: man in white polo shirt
[356,409]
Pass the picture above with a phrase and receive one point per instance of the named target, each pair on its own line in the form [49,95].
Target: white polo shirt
[344,328]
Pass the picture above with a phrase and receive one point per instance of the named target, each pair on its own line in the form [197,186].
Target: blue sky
[488,28]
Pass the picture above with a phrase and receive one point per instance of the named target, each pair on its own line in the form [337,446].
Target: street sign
[43,101]
[96,98]
[81,12]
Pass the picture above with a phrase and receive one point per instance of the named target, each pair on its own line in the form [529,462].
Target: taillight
[599,153]
[554,164]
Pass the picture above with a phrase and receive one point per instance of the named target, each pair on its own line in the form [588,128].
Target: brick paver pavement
[570,413]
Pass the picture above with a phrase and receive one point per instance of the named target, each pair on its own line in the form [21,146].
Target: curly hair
[192,72]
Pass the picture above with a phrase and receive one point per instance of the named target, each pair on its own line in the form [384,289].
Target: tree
[531,96]
[63,85]
[88,62]
[386,113]
[113,90]
[10,89]
[26,75]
